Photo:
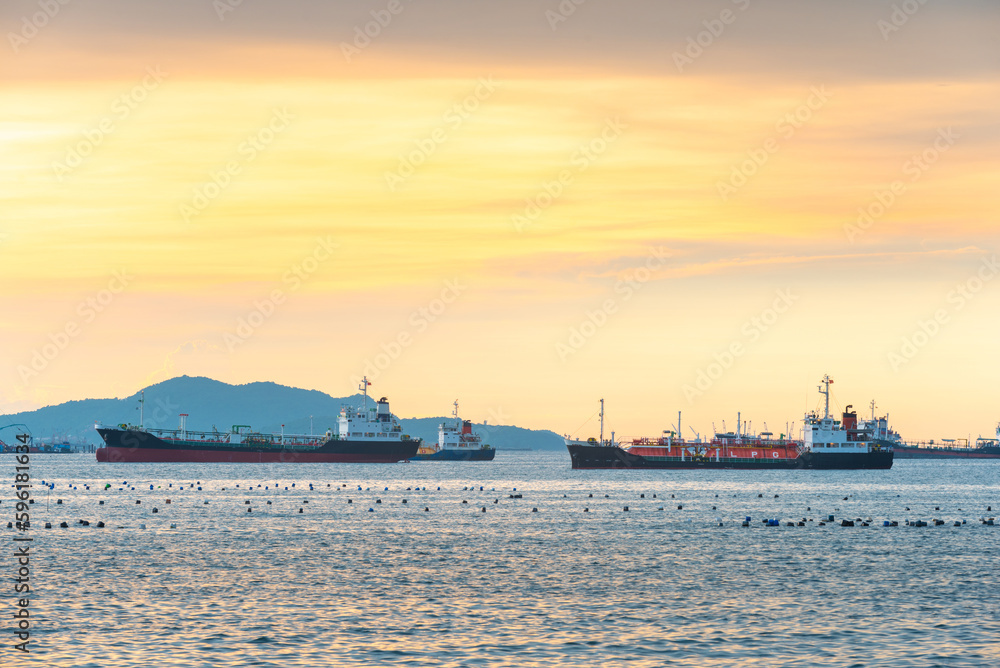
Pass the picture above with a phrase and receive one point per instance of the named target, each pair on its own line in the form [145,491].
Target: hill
[266,406]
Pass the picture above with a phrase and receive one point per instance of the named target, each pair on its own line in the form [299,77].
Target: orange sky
[455,211]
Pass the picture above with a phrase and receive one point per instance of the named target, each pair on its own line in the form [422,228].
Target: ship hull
[483,455]
[878,459]
[611,457]
[912,452]
[128,446]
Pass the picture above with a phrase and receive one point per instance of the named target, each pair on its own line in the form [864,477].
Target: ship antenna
[602,421]
[456,409]
[364,388]
[825,391]
[873,409]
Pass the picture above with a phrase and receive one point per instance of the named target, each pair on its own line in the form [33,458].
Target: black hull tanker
[985,448]
[371,436]
[826,444]
[135,445]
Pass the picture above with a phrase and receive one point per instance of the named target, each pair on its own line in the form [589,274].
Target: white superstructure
[825,435]
[456,435]
[372,424]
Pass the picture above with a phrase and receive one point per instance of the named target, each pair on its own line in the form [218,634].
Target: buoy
[268,503]
[300,510]
[626,509]
[586,510]
[371,510]
[713,508]
[155,510]
[63,525]
[378,500]
[247,502]
[590,496]
[349,501]
[168,501]
[642,496]
[404,500]
[680,507]
[534,510]
[385,490]
[464,501]
[206,503]
[58,502]
[249,510]
[484,509]
[496,501]
[48,525]
[173,526]
[426,509]
[100,503]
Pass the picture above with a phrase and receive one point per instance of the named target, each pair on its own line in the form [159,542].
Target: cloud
[805,40]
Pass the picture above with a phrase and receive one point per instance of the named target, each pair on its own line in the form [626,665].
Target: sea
[517,562]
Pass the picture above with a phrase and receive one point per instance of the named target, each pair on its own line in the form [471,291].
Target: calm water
[337,585]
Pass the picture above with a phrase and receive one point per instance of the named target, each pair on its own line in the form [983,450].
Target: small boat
[456,442]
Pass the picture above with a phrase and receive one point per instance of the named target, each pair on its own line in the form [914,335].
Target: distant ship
[456,442]
[985,448]
[365,435]
[827,444]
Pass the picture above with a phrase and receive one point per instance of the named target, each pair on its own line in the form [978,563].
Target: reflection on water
[339,585]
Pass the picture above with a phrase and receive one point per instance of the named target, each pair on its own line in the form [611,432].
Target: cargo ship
[456,442]
[985,448]
[826,444]
[365,435]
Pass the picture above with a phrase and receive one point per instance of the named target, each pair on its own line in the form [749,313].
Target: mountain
[266,406]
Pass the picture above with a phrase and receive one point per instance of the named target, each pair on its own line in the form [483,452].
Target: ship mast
[364,388]
[873,410]
[602,421]
[455,413]
[142,400]
[824,389]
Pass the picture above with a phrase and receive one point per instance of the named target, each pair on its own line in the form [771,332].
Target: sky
[526,206]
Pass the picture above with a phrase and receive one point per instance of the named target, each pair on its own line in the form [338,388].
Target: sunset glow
[529,228]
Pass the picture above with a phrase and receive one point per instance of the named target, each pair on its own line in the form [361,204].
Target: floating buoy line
[565,502]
